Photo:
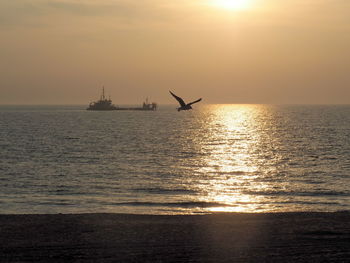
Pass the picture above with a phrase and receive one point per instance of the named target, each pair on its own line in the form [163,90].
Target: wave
[159,190]
[175,204]
[296,193]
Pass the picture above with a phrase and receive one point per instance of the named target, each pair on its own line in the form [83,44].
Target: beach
[234,237]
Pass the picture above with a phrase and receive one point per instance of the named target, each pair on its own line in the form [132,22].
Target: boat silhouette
[104,104]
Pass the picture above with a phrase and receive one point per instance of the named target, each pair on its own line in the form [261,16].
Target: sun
[232,4]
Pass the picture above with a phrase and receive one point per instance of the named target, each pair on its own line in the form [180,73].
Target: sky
[238,51]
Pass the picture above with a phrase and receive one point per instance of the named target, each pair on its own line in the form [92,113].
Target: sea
[215,158]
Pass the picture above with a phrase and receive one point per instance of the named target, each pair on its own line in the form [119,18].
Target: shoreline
[184,214]
[216,237]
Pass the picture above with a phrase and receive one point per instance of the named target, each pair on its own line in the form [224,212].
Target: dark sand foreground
[282,237]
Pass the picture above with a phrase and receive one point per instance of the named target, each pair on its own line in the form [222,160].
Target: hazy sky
[259,51]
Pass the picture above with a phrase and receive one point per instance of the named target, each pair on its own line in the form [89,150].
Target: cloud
[17,12]
[32,12]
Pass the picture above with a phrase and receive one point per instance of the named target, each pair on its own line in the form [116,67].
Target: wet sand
[275,237]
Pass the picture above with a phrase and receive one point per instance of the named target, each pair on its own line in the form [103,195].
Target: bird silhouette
[183,105]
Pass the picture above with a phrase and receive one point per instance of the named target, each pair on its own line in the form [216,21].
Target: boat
[104,104]
[146,106]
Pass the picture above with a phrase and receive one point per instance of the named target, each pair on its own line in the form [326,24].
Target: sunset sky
[243,51]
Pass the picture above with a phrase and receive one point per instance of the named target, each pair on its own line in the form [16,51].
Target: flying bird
[183,105]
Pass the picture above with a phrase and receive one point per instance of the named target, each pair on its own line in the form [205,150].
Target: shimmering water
[247,158]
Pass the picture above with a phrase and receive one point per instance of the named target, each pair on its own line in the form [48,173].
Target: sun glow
[232,4]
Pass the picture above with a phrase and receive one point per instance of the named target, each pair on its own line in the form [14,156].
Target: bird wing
[193,102]
[181,101]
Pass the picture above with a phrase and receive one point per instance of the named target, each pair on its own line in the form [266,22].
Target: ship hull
[131,109]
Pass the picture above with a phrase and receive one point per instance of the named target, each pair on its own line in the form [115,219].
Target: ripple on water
[247,158]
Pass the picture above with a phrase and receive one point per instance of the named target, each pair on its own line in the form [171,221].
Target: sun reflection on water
[230,166]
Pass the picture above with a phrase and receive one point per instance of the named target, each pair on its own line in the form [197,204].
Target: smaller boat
[146,106]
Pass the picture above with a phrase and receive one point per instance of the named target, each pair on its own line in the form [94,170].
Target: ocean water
[216,158]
